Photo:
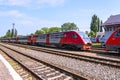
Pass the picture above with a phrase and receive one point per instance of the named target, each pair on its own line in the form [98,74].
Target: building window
[110,28]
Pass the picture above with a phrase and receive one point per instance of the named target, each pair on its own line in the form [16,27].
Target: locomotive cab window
[74,36]
[118,33]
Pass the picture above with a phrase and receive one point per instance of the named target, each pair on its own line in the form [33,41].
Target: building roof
[112,20]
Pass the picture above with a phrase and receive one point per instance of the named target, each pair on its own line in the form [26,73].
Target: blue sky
[30,15]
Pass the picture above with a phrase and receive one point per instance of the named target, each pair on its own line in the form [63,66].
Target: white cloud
[32,21]
[51,2]
[11,13]
[18,2]
[26,20]
[15,2]
[26,3]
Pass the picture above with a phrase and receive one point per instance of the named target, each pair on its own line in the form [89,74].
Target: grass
[96,44]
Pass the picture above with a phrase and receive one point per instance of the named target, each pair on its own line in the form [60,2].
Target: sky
[32,15]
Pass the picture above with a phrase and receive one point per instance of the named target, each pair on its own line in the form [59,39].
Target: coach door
[47,39]
[66,39]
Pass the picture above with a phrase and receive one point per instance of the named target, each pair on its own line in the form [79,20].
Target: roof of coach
[66,31]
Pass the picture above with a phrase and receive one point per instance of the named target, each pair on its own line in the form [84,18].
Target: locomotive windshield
[84,36]
[118,33]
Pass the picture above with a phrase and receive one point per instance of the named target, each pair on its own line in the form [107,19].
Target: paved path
[6,71]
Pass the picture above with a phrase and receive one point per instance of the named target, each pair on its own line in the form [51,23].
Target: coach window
[51,36]
[118,33]
[62,35]
[74,36]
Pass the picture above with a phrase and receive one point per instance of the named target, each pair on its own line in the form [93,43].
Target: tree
[12,33]
[54,29]
[91,34]
[101,29]
[15,34]
[68,26]
[94,24]
[8,34]
[32,34]
[86,32]
[45,29]
[39,32]
[100,25]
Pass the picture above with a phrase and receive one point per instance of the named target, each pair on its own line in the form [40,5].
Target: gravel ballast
[87,69]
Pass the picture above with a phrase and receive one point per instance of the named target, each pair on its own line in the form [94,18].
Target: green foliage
[91,34]
[54,29]
[68,26]
[94,24]
[8,34]
[86,32]
[15,34]
[39,32]
[96,44]
[32,34]
[100,25]
[45,30]
[11,33]
[101,29]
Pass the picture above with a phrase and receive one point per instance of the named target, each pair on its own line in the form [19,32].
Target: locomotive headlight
[86,42]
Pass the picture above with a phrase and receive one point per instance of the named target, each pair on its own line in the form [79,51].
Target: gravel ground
[91,70]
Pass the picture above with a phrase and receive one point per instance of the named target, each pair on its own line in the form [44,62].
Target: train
[98,38]
[67,39]
[113,42]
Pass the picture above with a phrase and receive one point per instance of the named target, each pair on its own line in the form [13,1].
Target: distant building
[112,23]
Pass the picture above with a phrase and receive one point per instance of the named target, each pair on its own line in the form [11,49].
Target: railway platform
[6,71]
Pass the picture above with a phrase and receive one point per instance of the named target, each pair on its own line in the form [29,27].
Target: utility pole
[13,29]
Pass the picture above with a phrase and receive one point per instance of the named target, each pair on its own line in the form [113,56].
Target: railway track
[98,60]
[103,51]
[80,67]
[25,75]
[40,69]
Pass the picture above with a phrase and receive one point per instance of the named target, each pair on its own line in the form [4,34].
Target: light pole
[13,29]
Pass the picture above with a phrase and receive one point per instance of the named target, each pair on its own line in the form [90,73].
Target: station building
[112,23]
